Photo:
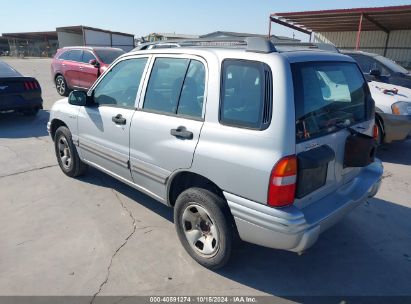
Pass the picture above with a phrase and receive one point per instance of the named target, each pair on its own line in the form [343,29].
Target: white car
[393,111]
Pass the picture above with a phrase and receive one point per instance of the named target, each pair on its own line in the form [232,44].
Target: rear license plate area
[312,169]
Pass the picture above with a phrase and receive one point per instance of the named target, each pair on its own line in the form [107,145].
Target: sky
[178,16]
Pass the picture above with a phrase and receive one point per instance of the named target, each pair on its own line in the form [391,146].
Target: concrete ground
[94,235]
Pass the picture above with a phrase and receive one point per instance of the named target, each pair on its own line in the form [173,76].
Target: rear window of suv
[328,96]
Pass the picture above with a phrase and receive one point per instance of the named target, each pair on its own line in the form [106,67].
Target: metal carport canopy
[338,20]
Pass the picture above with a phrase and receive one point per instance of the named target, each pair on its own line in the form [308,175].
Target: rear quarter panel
[240,160]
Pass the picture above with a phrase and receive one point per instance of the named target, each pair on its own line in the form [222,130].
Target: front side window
[368,63]
[328,95]
[87,56]
[391,65]
[120,84]
[176,86]
[245,94]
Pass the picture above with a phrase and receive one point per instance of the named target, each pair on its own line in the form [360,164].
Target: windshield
[391,64]
[328,95]
[109,55]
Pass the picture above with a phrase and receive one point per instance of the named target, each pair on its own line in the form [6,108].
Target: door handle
[119,119]
[182,133]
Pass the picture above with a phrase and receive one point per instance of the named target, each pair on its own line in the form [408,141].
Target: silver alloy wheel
[60,85]
[64,152]
[200,230]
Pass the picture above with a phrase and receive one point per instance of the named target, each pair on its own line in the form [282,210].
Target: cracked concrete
[29,170]
[94,236]
[133,230]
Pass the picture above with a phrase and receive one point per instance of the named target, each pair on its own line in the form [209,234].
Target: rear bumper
[396,127]
[17,102]
[296,229]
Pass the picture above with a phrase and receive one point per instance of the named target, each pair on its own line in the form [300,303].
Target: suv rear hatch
[331,98]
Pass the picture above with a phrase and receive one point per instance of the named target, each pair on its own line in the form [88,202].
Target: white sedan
[393,111]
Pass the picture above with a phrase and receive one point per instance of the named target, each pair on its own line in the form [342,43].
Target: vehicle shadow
[16,125]
[367,253]
[101,179]
[396,152]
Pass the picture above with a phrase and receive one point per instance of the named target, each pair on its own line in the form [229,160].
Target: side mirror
[94,63]
[375,72]
[78,98]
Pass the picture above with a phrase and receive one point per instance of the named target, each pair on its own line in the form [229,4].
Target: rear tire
[66,153]
[205,227]
[61,86]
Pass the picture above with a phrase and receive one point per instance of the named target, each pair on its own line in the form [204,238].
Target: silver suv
[268,144]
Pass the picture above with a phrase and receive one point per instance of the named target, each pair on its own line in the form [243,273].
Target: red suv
[79,67]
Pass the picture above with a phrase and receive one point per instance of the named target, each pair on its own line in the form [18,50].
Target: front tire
[204,226]
[66,153]
[61,86]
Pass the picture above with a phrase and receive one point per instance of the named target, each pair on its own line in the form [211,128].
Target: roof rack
[250,44]
[329,47]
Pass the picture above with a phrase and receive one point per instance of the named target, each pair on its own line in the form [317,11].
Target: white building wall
[398,48]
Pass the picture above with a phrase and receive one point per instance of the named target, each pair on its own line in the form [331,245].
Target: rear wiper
[347,125]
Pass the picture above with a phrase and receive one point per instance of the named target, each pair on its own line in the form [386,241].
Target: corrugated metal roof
[385,18]
[31,35]
[80,28]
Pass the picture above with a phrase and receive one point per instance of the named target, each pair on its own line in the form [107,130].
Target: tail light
[31,85]
[375,132]
[283,179]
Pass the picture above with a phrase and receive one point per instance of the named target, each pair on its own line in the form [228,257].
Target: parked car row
[72,68]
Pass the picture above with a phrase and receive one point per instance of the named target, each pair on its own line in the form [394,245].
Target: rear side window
[192,92]
[328,95]
[75,55]
[176,86]
[246,94]
[64,55]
